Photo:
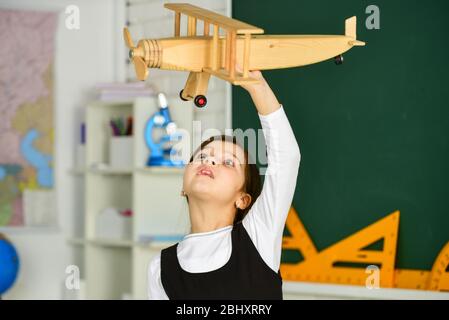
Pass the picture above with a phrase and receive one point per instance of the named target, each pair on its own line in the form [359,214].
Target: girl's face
[216,172]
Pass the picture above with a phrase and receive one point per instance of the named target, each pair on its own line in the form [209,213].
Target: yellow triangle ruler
[411,279]
[331,264]
[345,262]
[299,239]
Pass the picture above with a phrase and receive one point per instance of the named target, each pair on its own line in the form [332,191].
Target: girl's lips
[205,171]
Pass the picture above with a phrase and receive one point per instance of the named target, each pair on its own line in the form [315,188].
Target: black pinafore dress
[244,276]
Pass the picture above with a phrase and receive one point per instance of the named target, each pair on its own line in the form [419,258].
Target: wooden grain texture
[212,17]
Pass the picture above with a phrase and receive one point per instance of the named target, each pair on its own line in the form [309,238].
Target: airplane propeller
[136,54]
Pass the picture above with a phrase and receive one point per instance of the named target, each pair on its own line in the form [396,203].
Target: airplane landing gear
[338,59]
[200,100]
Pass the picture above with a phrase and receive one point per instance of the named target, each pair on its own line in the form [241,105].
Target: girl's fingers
[237,67]
[253,74]
[256,74]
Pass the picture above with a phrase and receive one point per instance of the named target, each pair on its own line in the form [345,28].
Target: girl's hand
[253,87]
[261,93]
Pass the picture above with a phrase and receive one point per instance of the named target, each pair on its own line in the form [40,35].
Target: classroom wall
[80,62]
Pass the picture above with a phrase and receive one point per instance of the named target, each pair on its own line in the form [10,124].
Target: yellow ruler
[345,262]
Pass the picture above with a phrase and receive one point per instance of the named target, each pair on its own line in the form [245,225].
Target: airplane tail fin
[350,31]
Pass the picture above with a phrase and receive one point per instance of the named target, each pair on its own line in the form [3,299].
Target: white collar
[197,234]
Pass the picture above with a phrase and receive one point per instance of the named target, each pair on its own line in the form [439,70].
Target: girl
[234,248]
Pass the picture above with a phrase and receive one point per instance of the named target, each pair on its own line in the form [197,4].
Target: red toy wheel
[200,101]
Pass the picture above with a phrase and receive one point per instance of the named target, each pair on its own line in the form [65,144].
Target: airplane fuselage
[266,51]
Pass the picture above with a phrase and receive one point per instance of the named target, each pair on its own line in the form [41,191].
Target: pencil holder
[121,152]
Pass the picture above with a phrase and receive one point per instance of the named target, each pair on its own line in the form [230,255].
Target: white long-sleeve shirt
[208,251]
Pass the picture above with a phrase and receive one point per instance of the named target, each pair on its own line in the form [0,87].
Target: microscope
[162,152]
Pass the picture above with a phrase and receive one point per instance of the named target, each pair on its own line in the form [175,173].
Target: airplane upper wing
[227,23]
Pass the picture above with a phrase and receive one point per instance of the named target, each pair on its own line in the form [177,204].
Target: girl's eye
[229,163]
[201,156]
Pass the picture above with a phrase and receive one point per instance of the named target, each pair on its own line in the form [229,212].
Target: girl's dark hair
[252,184]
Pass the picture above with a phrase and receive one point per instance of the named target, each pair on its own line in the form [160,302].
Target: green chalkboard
[374,131]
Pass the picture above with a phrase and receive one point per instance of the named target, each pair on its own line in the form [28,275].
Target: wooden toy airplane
[205,55]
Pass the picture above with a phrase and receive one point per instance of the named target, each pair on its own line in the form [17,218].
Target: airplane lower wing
[237,80]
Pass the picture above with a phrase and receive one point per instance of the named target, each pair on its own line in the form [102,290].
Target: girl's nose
[211,160]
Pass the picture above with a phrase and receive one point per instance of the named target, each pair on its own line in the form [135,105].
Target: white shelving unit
[117,268]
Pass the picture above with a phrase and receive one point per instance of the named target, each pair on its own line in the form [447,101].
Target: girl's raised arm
[266,219]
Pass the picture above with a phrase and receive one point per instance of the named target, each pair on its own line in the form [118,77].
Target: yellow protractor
[439,276]
[137,55]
